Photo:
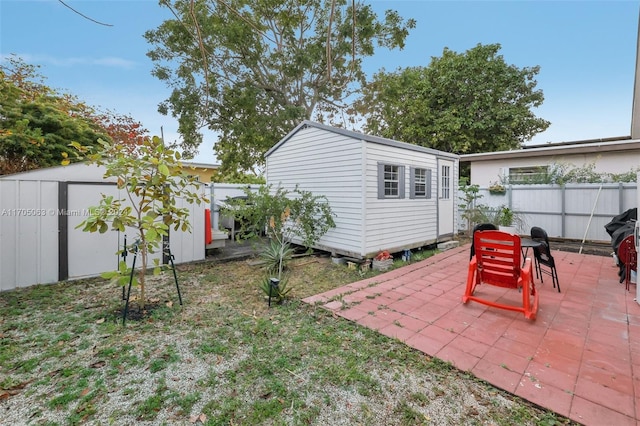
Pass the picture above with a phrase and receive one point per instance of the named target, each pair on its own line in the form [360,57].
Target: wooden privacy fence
[572,211]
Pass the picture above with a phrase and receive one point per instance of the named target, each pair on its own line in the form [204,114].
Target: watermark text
[53,212]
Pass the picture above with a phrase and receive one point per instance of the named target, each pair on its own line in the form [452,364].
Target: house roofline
[360,136]
[580,142]
[559,149]
[202,165]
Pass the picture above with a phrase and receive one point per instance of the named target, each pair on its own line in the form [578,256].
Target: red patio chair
[498,262]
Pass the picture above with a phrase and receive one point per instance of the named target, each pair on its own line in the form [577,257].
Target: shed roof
[89,172]
[81,171]
[360,136]
[586,147]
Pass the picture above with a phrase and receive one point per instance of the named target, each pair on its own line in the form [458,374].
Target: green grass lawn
[225,358]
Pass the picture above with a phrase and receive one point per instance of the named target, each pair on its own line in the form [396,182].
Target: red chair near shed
[629,257]
[498,262]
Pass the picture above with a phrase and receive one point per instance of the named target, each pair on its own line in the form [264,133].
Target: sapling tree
[151,179]
[472,211]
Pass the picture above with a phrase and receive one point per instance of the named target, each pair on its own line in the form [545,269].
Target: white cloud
[108,61]
[111,61]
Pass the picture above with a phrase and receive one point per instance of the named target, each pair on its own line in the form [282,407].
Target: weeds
[223,355]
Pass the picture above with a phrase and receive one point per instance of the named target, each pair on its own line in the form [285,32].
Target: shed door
[92,253]
[89,253]
[445,198]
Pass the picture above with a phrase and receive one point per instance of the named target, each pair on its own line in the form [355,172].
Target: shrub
[282,216]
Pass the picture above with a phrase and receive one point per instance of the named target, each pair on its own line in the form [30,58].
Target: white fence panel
[220,192]
[188,246]
[28,233]
[94,253]
[565,211]
[39,242]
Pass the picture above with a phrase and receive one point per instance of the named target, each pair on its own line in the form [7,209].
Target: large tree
[461,103]
[37,123]
[251,70]
[122,129]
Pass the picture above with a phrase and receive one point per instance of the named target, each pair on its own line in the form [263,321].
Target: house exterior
[612,155]
[385,194]
[608,155]
[203,171]
[39,213]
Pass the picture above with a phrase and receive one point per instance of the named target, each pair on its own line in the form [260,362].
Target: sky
[586,51]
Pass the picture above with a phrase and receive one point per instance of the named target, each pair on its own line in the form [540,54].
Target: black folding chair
[480,227]
[543,257]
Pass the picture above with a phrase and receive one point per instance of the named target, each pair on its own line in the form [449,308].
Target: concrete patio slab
[580,358]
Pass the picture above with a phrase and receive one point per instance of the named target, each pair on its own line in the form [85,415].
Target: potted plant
[508,221]
[382,261]
[497,189]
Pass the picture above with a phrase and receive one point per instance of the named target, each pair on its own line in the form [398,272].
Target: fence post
[620,197]
[563,213]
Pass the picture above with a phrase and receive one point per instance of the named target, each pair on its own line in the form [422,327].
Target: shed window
[390,181]
[420,183]
[445,188]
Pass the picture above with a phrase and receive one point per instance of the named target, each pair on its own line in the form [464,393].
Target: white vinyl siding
[349,169]
[398,223]
[328,164]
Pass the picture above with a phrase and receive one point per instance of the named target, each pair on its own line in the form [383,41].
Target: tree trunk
[143,272]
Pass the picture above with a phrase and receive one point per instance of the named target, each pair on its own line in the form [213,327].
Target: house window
[390,181]
[522,175]
[420,183]
[445,187]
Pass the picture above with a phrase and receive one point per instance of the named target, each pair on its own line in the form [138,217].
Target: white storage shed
[386,195]
[39,242]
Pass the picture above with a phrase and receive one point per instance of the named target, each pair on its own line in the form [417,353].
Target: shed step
[447,245]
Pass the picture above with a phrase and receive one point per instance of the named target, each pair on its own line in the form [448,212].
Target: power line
[85,16]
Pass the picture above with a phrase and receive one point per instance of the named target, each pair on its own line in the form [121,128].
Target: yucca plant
[279,293]
[275,256]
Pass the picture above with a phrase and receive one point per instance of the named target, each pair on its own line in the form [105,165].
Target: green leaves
[150,179]
[460,103]
[162,168]
[120,277]
[284,213]
[37,123]
[264,69]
